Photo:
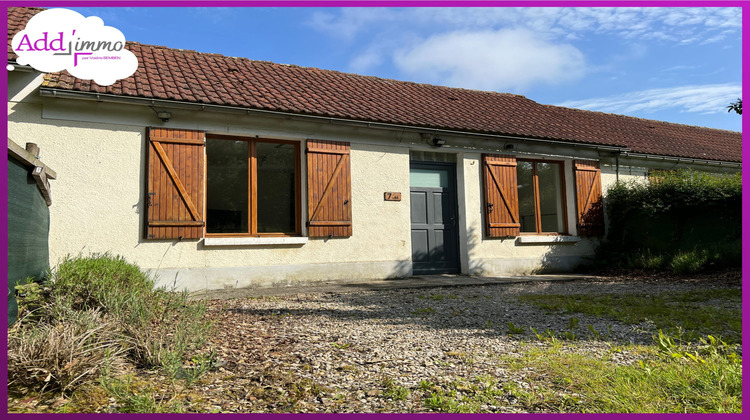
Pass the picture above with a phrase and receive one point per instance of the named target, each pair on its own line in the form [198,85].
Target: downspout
[617,167]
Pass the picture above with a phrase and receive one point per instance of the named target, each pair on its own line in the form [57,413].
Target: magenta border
[383,3]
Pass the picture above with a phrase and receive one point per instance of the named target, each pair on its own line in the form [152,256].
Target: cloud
[704,99]
[350,21]
[491,60]
[668,24]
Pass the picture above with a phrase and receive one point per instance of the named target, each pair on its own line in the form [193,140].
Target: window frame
[537,205]
[253,189]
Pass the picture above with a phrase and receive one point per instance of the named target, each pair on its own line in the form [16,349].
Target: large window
[541,196]
[252,187]
[527,196]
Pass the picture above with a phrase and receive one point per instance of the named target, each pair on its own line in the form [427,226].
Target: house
[217,171]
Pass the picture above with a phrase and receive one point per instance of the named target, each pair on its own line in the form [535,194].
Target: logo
[61,39]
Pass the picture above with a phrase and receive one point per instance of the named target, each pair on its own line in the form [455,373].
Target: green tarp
[28,230]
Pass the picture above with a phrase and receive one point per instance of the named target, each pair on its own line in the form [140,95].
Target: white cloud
[704,99]
[491,60]
[673,24]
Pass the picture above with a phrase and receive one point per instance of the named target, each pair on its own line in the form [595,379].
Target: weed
[593,331]
[423,311]
[573,323]
[513,329]
[341,345]
[457,312]
[689,262]
[647,260]
[426,385]
[394,391]
[666,310]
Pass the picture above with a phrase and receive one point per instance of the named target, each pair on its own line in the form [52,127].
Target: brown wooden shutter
[175,183]
[500,196]
[329,192]
[589,198]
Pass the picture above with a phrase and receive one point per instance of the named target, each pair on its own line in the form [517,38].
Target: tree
[735,106]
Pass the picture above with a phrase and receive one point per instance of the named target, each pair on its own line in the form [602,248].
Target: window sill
[285,240]
[547,239]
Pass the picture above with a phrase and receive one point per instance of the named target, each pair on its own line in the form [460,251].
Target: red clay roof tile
[184,75]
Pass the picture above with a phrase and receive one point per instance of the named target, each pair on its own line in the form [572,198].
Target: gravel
[340,352]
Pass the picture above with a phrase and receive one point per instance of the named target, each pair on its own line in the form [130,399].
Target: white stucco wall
[98,202]
[98,151]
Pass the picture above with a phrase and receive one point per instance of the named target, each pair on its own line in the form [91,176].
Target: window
[252,187]
[248,186]
[541,196]
[525,196]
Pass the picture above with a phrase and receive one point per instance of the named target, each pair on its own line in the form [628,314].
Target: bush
[96,310]
[100,281]
[683,220]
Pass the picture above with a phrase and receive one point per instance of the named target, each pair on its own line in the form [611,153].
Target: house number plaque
[392,196]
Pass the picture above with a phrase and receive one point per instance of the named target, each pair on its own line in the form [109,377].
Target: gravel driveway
[336,352]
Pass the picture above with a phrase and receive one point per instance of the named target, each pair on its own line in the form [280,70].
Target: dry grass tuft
[65,353]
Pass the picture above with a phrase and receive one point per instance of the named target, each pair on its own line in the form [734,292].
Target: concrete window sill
[287,240]
[550,239]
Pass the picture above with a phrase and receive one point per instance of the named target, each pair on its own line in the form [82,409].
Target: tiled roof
[190,76]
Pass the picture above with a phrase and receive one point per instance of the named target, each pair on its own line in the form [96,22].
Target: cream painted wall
[98,205]
[98,151]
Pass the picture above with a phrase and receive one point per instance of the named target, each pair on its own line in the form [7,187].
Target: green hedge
[680,219]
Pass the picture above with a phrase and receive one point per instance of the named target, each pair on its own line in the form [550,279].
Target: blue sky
[674,64]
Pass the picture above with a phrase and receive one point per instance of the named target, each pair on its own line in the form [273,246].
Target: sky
[674,64]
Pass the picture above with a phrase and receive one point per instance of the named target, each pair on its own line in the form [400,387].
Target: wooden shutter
[589,198]
[175,183]
[329,192]
[500,196]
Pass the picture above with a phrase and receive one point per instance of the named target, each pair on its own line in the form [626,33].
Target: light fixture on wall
[432,140]
[165,116]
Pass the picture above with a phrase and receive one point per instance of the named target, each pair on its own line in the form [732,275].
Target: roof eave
[108,97]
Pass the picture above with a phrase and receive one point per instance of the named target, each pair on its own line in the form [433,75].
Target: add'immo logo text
[61,39]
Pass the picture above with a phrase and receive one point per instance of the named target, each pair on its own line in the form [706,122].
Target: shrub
[100,281]
[651,222]
[95,311]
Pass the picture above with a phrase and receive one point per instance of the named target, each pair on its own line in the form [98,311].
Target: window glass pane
[275,180]
[526,196]
[430,178]
[226,186]
[550,196]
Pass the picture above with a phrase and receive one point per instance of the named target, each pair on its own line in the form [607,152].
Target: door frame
[453,188]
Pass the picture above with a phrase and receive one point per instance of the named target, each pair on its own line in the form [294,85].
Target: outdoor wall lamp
[438,142]
[162,115]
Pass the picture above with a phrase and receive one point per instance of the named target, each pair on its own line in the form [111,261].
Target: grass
[690,311]
[659,383]
[690,371]
[97,315]
[687,369]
